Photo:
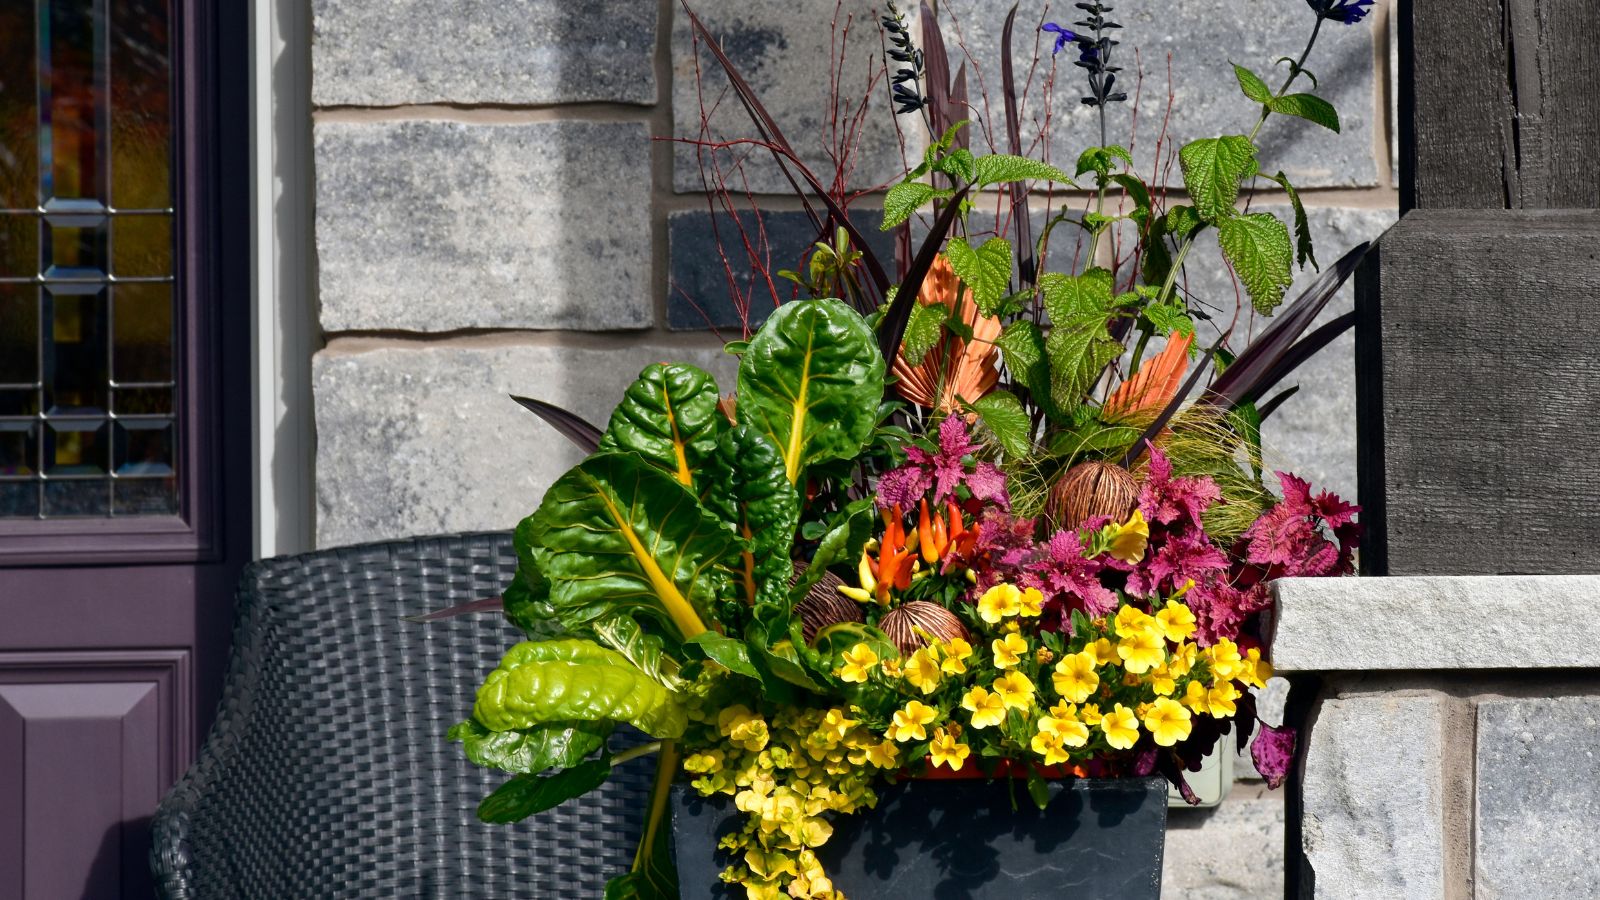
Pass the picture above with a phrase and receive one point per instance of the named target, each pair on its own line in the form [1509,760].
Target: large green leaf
[1078,352]
[999,168]
[530,750]
[1022,346]
[1212,168]
[1309,107]
[904,199]
[923,331]
[669,416]
[768,508]
[527,597]
[985,270]
[615,534]
[1003,415]
[525,795]
[539,682]
[810,383]
[1258,247]
[645,650]
[1068,298]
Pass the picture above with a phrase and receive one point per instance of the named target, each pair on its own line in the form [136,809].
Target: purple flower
[1063,35]
[1348,12]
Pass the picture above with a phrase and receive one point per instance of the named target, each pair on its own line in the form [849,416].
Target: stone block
[1231,852]
[1538,790]
[437,226]
[422,439]
[783,50]
[482,51]
[1374,796]
[1496,622]
[700,296]
[1201,37]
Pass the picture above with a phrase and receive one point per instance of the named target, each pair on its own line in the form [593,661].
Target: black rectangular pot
[950,839]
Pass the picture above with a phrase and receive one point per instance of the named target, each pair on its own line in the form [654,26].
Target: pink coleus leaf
[1273,753]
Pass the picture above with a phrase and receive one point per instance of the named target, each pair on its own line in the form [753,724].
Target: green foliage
[653,876]
[1101,160]
[669,417]
[1002,413]
[1078,352]
[768,506]
[810,383]
[1022,347]
[730,653]
[923,331]
[1000,168]
[986,270]
[1169,316]
[530,750]
[646,651]
[1182,222]
[1304,252]
[1252,85]
[539,682]
[1309,107]
[904,199]
[525,795]
[1258,246]
[1212,169]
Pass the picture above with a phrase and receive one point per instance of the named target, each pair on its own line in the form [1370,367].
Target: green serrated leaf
[1002,413]
[1259,249]
[526,795]
[1309,107]
[999,168]
[960,164]
[1078,351]
[986,270]
[1182,222]
[530,750]
[1071,297]
[1022,346]
[1101,160]
[903,200]
[1252,85]
[1170,317]
[1212,169]
[1137,189]
[1304,251]
[922,331]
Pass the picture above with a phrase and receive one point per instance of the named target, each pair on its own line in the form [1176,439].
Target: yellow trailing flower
[884,755]
[858,663]
[999,602]
[1224,658]
[1048,744]
[1105,653]
[952,656]
[1176,621]
[1014,690]
[836,723]
[1009,650]
[1063,722]
[987,708]
[1090,714]
[1167,721]
[910,724]
[922,670]
[1162,682]
[1142,651]
[1121,727]
[1220,700]
[1074,678]
[947,751]
[1128,540]
[1181,661]
[1131,620]
[1255,671]
[1031,604]
[1194,697]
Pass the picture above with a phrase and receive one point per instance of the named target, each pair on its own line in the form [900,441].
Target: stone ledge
[1436,622]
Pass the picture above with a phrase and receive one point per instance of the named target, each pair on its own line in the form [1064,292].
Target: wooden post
[1478,319]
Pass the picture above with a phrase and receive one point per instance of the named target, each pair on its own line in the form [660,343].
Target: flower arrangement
[958,525]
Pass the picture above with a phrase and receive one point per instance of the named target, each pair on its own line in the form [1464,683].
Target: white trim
[283,325]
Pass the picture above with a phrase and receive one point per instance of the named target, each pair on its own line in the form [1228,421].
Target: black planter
[943,840]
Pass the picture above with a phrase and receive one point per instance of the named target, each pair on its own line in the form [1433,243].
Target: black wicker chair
[327,773]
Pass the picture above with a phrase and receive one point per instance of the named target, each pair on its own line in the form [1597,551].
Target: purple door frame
[114,632]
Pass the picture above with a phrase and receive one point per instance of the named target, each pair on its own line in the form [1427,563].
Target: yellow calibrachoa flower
[1255,671]
[1224,658]
[987,708]
[1009,650]
[910,723]
[1121,727]
[884,755]
[1142,651]
[1090,714]
[1075,678]
[837,724]
[953,654]
[1015,690]
[1176,621]
[1167,721]
[1048,745]
[1131,620]
[1182,659]
[1194,697]
[1219,700]
[1063,722]
[891,667]
[998,602]
[1162,682]
[1128,540]
[858,663]
[1032,603]
[1105,653]
[922,670]
[946,750]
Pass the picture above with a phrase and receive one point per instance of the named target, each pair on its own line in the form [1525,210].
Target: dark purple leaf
[936,83]
[491,604]
[575,428]
[893,326]
[1271,406]
[1273,753]
[1303,350]
[959,105]
[1027,266]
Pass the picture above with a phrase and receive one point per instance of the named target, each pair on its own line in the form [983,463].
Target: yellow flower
[1121,728]
[1194,696]
[1131,621]
[1224,658]
[1255,671]
[1067,728]
[1075,678]
[1162,682]
[743,728]
[1104,653]
[836,724]
[891,667]
[1219,700]
[885,755]
[858,663]
[1142,651]
[954,654]
[998,602]
[909,723]
[1167,721]
[1182,659]
[1032,603]
[1015,690]
[1048,745]
[1090,714]
[1127,541]
[1176,621]
[922,670]
[1008,651]
[948,751]
[987,709]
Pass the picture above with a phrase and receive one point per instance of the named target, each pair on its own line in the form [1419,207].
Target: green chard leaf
[768,509]
[999,168]
[811,382]
[646,651]
[1002,413]
[540,682]
[986,271]
[1258,247]
[526,795]
[669,416]
[923,331]
[1309,107]
[530,750]
[1304,251]
[1252,85]
[1212,169]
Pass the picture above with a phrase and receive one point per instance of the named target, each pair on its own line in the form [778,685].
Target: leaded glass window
[88,384]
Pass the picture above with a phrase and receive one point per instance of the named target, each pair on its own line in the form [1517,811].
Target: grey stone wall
[492,216]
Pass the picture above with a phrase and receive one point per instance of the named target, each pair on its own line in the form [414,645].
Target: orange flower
[954,370]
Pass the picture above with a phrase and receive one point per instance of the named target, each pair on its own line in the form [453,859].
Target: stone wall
[492,217]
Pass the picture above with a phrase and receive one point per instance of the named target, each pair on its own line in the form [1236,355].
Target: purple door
[124,425]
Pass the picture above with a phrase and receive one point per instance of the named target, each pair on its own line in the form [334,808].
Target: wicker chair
[327,773]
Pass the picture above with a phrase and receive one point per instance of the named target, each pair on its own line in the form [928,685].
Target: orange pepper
[893,568]
[962,539]
[931,536]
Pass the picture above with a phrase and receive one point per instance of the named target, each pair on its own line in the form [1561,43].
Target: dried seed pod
[1091,489]
[902,623]
[823,605]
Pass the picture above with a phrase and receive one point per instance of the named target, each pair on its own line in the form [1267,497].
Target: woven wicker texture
[327,773]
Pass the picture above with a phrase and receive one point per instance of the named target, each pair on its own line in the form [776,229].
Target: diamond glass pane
[88,397]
